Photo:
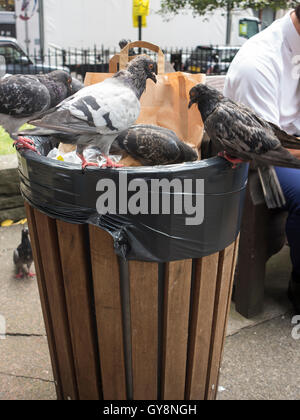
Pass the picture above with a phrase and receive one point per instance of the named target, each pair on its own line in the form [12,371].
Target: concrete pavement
[261,359]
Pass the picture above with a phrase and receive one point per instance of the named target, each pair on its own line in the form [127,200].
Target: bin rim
[30,155]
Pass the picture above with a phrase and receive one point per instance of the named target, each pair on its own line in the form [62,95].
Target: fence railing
[203,59]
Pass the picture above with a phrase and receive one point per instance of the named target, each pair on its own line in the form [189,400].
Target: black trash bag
[210,188]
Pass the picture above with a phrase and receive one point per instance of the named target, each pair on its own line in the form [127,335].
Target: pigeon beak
[153,77]
[191,103]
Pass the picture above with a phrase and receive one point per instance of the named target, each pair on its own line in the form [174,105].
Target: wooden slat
[44,298]
[220,313]
[108,314]
[176,325]
[74,253]
[204,289]
[47,237]
[143,279]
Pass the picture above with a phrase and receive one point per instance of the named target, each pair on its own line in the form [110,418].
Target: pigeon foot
[24,143]
[231,159]
[19,276]
[85,163]
[111,164]
[31,275]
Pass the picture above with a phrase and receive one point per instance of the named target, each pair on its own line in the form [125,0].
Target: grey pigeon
[76,85]
[96,114]
[22,256]
[23,97]
[123,43]
[152,145]
[244,136]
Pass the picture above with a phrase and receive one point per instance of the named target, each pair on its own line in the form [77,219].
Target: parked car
[210,60]
[14,60]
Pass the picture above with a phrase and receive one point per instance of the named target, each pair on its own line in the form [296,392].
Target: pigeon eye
[151,66]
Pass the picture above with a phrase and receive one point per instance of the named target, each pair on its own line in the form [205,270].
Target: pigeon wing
[239,131]
[105,108]
[287,140]
[150,145]
[16,257]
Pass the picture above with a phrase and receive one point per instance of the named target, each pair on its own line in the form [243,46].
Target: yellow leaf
[7,223]
[21,222]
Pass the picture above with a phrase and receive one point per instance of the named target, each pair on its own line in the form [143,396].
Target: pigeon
[23,97]
[76,86]
[123,43]
[97,114]
[153,145]
[23,256]
[243,136]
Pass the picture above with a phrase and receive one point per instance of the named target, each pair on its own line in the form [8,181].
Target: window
[12,55]
[7,5]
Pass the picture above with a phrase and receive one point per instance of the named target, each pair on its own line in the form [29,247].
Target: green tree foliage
[200,7]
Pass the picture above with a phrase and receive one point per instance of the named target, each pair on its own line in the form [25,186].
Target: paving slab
[19,298]
[262,363]
[15,388]
[8,161]
[25,356]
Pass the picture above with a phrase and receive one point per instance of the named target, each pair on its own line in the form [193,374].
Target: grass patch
[6,143]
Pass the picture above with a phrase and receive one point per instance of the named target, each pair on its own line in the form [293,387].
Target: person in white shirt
[264,76]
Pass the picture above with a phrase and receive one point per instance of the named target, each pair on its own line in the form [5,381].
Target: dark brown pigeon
[22,256]
[153,145]
[242,135]
[97,114]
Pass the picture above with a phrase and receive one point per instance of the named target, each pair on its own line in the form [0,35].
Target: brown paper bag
[166,103]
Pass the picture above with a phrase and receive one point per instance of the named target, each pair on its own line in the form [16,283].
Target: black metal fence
[212,60]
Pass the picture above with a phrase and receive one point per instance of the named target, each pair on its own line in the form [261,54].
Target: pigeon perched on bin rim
[96,114]
[153,145]
[23,97]
[243,136]
[22,256]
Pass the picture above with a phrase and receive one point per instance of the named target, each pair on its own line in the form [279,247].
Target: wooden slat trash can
[166,343]
[127,328]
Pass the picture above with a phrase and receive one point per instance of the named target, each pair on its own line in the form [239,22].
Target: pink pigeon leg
[111,164]
[25,143]
[231,159]
[85,163]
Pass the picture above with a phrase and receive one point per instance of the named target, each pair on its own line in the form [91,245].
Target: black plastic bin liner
[63,191]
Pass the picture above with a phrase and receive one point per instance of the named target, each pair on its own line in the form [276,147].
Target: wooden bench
[262,235]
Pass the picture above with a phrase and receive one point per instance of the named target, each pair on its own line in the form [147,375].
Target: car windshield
[226,56]
[12,54]
[203,53]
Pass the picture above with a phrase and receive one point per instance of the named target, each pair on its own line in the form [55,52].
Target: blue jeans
[290,184]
